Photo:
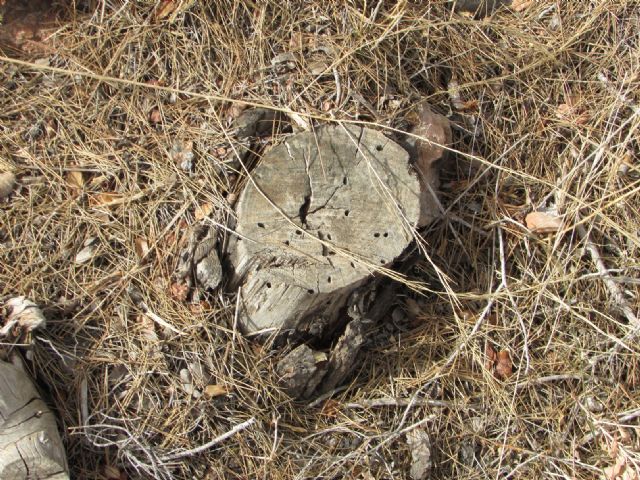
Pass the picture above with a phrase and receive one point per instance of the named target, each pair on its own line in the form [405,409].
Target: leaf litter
[91,98]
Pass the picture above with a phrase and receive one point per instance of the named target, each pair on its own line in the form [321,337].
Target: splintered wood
[30,446]
[319,214]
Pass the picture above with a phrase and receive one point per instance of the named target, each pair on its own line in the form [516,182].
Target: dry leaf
[616,471]
[504,367]
[491,357]
[201,307]
[235,110]
[179,291]
[572,114]
[171,8]
[165,8]
[141,247]
[435,135]
[330,408]
[105,199]
[520,5]
[23,314]
[203,210]
[213,391]
[148,330]
[75,180]
[296,41]
[7,184]
[155,116]
[90,247]
[543,222]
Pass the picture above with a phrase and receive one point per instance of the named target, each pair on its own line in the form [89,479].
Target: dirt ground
[511,350]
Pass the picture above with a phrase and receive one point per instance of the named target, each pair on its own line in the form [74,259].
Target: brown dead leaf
[520,5]
[434,132]
[491,357]
[236,109]
[201,307]
[296,41]
[543,222]
[617,470]
[165,8]
[171,9]
[469,106]
[330,408]
[203,211]
[105,199]
[141,247]
[75,180]
[26,26]
[213,391]
[572,113]
[179,291]
[504,367]
[155,116]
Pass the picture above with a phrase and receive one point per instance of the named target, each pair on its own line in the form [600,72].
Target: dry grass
[549,99]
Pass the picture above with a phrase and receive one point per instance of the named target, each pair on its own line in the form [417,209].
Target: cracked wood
[322,210]
[30,446]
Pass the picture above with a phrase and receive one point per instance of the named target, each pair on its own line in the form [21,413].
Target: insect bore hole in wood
[304,209]
[379,148]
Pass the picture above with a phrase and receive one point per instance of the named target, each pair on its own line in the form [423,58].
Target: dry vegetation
[521,363]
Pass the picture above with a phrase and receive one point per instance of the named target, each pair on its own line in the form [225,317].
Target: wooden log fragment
[318,215]
[30,446]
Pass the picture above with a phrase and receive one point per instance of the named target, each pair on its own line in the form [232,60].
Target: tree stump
[30,446]
[319,215]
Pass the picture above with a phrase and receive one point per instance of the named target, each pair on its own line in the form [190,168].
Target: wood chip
[213,391]
[543,222]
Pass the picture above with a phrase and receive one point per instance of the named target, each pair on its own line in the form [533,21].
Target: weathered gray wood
[320,213]
[200,256]
[301,370]
[343,355]
[30,446]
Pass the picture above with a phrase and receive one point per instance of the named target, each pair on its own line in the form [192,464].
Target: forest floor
[513,349]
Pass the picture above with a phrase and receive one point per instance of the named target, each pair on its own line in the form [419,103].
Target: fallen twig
[208,445]
[614,289]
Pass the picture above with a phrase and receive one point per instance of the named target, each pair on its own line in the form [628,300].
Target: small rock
[7,184]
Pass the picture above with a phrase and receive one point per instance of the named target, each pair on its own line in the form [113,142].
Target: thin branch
[208,445]
[613,287]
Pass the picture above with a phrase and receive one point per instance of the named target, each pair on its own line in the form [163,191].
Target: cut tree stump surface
[318,214]
[30,446]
